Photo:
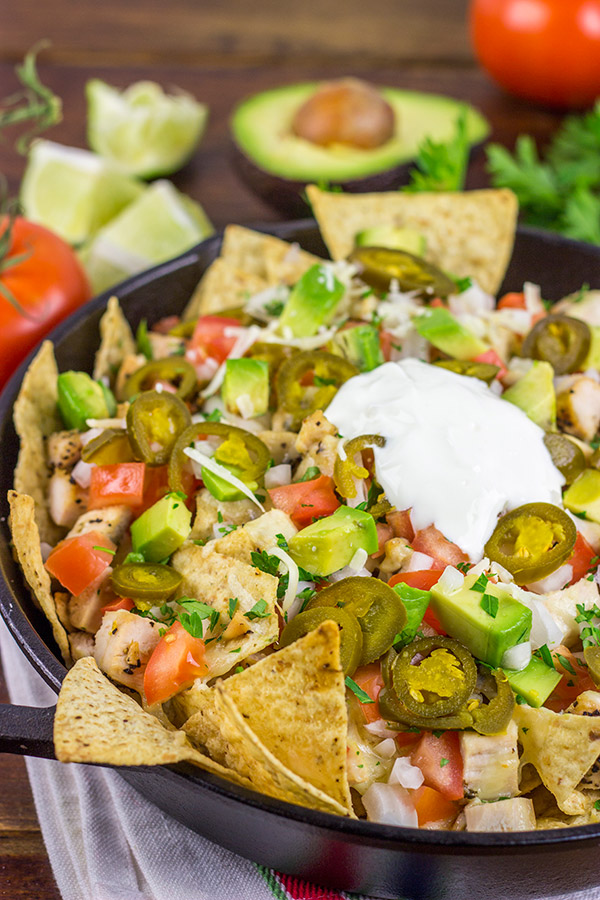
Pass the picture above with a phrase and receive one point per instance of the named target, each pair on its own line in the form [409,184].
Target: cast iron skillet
[350,855]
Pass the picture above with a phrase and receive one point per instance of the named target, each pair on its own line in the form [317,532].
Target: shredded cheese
[293,576]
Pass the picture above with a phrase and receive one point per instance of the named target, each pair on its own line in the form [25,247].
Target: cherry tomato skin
[547,51]
[48,283]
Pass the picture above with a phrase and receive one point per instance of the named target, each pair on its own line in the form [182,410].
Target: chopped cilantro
[437,734]
[597,804]
[193,623]
[266,563]
[581,515]
[358,692]
[362,506]
[443,762]
[237,650]
[282,542]
[177,495]
[104,549]
[481,584]
[311,473]
[233,605]
[274,308]
[544,654]
[489,604]
[463,284]
[306,596]
[199,542]
[215,416]
[566,664]
[319,381]
[463,567]
[520,700]
[524,729]
[134,558]
[258,611]
[238,669]
[219,516]
[143,341]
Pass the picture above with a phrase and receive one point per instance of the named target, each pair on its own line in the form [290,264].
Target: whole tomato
[544,50]
[41,282]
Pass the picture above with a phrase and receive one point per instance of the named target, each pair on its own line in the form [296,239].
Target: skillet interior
[352,855]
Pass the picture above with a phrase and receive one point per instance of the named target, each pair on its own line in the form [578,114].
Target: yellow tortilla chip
[26,542]
[264,255]
[116,341]
[223,286]
[562,748]
[36,417]
[95,722]
[293,704]
[467,234]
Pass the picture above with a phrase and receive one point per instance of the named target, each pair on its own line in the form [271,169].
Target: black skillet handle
[27,730]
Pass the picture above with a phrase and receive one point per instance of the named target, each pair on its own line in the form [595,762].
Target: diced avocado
[534,394]
[80,398]
[161,529]
[395,238]
[415,604]
[535,682]
[330,543]
[583,496]
[592,360]
[359,346]
[312,302]
[245,390]
[111,403]
[472,616]
[222,489]
[440,328]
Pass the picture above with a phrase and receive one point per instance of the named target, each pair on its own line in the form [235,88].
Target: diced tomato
[384,534]
[121,603]
[121,484]
[78,561]
[432,620]
[176,661]
[164,326]
[407,738]
[156,485]
[490,356]
[433,809]
[436,302]
[581,558]
[440,761]
[386,342]
[370,680]
[424,579]
[512,300]
[306,500]
[432,542]
[576,679]
[210,339]
[401,523]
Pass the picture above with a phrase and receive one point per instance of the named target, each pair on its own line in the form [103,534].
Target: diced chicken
[85,610]
[66,498]
[208,509]
[397,553]
[586,308]
[112,522]
[82,645]
[587,704]
[61,602]
[124,645]
[318,441]
[516,814]
[130,364]
[281,444]
[164,345]
[578,409]
[490,764]
[64,449]
[562,606]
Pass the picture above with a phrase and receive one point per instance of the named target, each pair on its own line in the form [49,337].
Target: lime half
[142,129]
[160,224]
[73,192]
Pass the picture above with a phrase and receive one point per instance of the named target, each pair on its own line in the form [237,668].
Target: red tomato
[121,484]
[433,809]
[570,685]
[432,542]
[176,661]
[121,603]
[384,534]
[156,485]
[401,523]
[78,561]
[423,580]
[490,356]
[45,283]
[306,500]
[581,559]
[209,338]
[370,679]
[440,761]
[386,342]
[512,300]
[545,50]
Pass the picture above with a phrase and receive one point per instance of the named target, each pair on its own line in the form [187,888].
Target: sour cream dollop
[455,452]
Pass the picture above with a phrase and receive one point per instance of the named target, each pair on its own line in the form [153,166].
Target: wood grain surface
[222,52]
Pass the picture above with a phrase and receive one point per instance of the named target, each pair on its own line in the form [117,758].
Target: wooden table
[220,55]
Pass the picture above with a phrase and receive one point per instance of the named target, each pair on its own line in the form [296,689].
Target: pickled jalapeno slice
[154,422]
[532,541]
[493,717]
[562,341]
[397,716]
[329,371]
[173,370]
[347,469]
[483,371]
[109,448]
[148,584]
[379,266]
[350,632]
[434,676]
[566,456]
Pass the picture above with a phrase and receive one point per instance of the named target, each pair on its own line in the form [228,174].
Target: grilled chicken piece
[124,645]
[112,522]
[397,553]
[164,345]
[490,764]
[82,644]
[578,408]
[515,814]
[85,609]
[587,704]
[64,449]
[562,606]
[281,444]
[318,443]
[66,498]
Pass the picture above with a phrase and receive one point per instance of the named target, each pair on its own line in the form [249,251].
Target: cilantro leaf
[266,563]
[481,583]
[489,604]
[358,692]
[544,654]
[311,473]
[441,165]
[258,611]
[143,341]
[233,603]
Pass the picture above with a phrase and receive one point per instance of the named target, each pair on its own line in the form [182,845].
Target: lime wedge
[144,131]
[160,224]
[73,192]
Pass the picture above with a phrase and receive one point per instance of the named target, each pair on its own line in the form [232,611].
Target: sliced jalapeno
[566,456]
[434,676]
[154,422]
[379,266]
[148,584]
[183,329]
[532,541]
[393,711]
[591,656]
[330,372]
[483,371]
[351,635]
[379,610]
[347,469]
[493,717]
[174,369]
[109,448]
[562,341]
[240,449]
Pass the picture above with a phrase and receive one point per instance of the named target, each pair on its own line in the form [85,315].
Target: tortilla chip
[95,722]
[291,703]
[264,255]
[223,286]
[116,342]
[468,234]
[26,542]
[562,748]
[36,417]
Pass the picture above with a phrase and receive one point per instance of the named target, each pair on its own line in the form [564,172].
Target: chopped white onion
[554,582]
[545,629]
[293,576]
[532,294]
[482,566]
[347,572]
[517,657]
[386,749]
[358,560]
[361,493]
[106,423]
[502,573]
[390,804]
[451,579]
[46,550]
[277,476]
[404,773]
[418,561]
[222,472]
[379,729]
[82,473]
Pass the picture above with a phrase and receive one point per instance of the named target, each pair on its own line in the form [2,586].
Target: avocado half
[277,165]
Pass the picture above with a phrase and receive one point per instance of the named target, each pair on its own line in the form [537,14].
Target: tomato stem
[35,102]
